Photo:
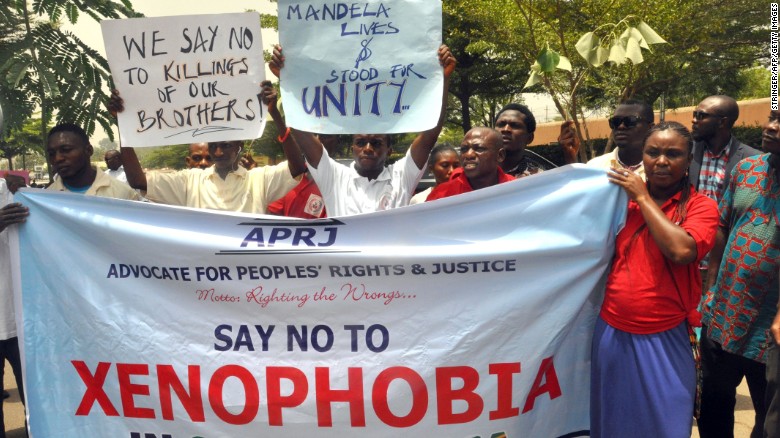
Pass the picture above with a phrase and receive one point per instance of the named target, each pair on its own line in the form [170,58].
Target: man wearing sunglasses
[715,150]
[630,123]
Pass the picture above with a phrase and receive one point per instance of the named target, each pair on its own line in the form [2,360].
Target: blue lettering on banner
[303,236]
[323,98]
[337,11]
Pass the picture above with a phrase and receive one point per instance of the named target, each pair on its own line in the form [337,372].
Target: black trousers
[9,350]
[772,422]
[722,372]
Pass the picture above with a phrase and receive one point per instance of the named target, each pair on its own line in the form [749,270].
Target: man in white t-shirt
[368,185]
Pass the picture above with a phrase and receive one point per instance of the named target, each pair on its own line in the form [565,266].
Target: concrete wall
[751,113]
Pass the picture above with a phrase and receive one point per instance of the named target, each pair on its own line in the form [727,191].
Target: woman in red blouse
[643,373]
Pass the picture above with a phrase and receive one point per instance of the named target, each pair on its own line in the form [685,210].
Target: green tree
[709,41]
[171,157]
[51,68]
[20,141]
[487,77]
[756,83]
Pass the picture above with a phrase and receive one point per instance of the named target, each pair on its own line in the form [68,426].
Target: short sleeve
[701,223]
[168,187]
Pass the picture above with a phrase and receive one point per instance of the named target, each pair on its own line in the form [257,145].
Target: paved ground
[14,411]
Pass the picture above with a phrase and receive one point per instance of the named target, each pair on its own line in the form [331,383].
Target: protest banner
[148,320]
[353,68]
[187,79]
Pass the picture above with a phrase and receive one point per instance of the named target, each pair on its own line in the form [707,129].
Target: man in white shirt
[368,185]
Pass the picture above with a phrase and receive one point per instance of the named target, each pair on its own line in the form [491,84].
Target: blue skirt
[641,385]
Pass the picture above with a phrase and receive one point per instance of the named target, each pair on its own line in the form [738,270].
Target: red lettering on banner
[94,392]
[251,393]
[192,401]
[419,397]
[503,373]
[128,390]
[550,385]
[353,395]
[276,401]
[446,394]
[455,386]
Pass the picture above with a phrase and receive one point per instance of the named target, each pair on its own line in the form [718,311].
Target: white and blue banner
[350,67]
[465,317]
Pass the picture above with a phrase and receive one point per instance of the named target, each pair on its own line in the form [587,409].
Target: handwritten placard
[368,67]
[187,78]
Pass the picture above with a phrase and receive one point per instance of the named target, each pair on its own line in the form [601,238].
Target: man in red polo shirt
[481,153]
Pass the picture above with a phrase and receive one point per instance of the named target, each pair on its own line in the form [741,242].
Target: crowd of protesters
[700,245]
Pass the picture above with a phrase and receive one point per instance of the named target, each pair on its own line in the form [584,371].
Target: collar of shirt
[384,176]
[730,146]
[211,172]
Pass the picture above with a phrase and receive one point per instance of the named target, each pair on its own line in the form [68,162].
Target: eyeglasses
[699,115]
[627,121]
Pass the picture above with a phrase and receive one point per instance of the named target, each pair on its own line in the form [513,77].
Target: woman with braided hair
[643,370]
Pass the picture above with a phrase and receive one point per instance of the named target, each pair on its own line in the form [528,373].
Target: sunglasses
[627,121]
[699,115]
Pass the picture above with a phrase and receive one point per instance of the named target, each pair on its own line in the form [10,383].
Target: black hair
[685,185]
[530,120]
[645,109]
[72,128]
[438,150]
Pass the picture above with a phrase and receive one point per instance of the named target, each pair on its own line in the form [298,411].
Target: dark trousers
[722,372]
[772,422]
[9,350]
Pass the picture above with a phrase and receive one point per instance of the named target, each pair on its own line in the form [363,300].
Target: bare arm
[291,150]
[674,242]
[308,143]
[422,145]
[133,171]
[716,255]
[136,177]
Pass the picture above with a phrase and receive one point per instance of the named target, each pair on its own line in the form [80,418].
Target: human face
[480,153]
[199,156]
[666,158]
[445,163]
[770,140]
[113,160]
[225,154]
[370,152]
[707,119]
[67,154]
[630,137]
[514,133]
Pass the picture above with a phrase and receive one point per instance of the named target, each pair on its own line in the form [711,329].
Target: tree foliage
[43,66]
[23,140]
[497,41]
[488,76]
